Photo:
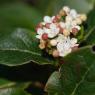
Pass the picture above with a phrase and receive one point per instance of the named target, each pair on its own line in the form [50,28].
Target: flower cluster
[57,34]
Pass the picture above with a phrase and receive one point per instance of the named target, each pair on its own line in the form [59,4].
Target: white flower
[54,30]
[83,17]
[73,42]
[78,27]
[73,13]
[70,25]
[68,18]
[62,24]
[64,47]
[78,21]
[48,19]
[40,32]
[61,38]
[74,23]
[66,9]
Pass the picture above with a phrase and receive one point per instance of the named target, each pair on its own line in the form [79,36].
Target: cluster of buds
[58,34]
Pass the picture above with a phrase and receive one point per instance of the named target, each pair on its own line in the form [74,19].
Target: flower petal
[73,13]
[47,19]
[40,31]
[38,36]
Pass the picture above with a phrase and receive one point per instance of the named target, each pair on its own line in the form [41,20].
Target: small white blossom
[62,24]
[40,32]
[68,25]
[78,21]
[66,9]
[83,17]
[74,23]
[73,13]
[48,19]
[71,25]
[65,46]
[69,18]
[77,27]
[73,42]
[54,30]
[61,38]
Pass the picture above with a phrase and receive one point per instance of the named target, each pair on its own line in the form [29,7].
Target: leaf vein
[83,78]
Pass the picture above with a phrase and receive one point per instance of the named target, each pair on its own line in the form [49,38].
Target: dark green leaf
[91,19]
[5,83]
[53,85]
[13,91]
[20,47]
[10,88]
[77,74]
[89,37]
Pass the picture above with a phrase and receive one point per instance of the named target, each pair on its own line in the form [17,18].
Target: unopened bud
[78,21]
[83,17]
[75,31]
[53,42]
[42,46]
[45,36]
[66,9]
[68,18]
[66,32]
[55,53]
[62,13]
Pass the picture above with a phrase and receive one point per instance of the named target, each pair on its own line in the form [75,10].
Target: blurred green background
[27,14]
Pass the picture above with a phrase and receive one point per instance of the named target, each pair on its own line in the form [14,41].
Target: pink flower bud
[45,36]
